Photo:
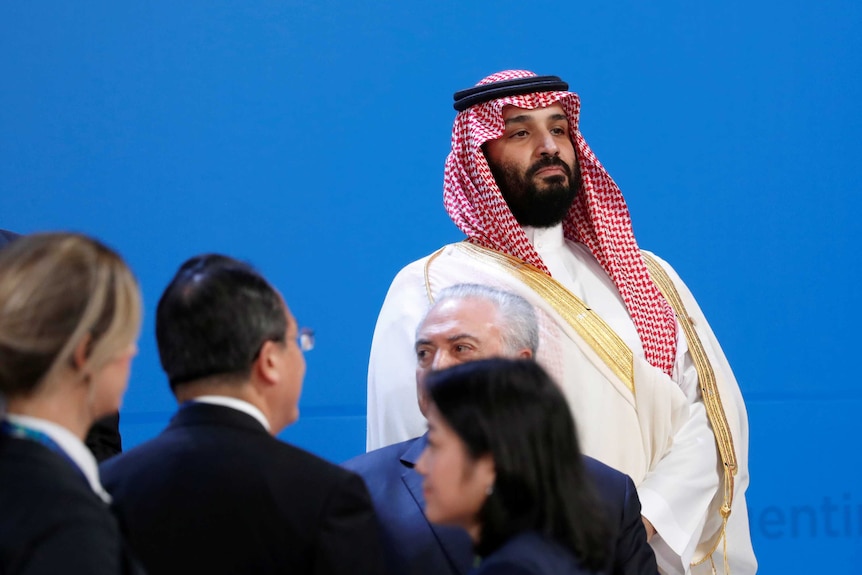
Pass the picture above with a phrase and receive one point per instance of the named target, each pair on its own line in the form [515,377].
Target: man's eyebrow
[422,341]
[520,119]
[456,337]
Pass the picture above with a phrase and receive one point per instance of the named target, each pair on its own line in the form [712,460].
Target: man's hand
[650,530]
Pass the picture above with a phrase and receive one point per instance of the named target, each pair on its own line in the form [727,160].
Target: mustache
[547,162]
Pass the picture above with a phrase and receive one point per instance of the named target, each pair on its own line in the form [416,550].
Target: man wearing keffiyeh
[651,396]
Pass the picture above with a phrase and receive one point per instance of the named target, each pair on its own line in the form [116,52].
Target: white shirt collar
[545,238]
[238,404]
[71,446]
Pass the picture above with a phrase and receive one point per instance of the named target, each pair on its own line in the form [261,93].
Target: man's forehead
[510,111]
[458,315]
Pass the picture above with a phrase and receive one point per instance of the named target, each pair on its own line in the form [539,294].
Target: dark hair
[55,290]
[512,410]
[213,318]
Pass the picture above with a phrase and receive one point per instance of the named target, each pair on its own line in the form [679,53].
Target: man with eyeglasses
[215,492]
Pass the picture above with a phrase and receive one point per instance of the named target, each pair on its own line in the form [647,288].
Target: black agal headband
[487,92]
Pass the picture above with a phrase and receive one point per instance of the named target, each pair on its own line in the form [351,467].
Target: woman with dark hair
[503,462]
[70,313]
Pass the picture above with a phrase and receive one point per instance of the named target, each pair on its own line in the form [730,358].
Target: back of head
[512,410]
[55,290]
[214,317]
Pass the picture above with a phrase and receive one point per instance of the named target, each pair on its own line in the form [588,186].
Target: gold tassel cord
[711,399]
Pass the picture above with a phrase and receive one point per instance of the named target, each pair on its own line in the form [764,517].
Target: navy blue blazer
[215,493]
[530,553]
[6,236]
[414,546]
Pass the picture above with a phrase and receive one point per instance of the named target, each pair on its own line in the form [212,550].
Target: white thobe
[659,435]
[690,461]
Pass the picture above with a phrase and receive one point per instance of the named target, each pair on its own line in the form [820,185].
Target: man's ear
[525,353]
[266,365]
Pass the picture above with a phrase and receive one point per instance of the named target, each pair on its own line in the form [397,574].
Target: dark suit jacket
[531,554]
[104,437]
[50,519]
[415,547]
[215,493]
[6,236]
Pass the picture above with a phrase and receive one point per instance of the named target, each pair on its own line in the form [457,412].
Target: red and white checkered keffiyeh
[598,218]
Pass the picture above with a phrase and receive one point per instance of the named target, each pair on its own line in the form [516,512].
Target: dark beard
[531,206]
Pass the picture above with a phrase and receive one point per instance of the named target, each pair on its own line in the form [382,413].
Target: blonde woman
[70,313]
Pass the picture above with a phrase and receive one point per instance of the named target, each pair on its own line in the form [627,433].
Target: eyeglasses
[305,338]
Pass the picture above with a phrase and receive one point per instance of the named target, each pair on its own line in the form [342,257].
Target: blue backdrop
[309,138]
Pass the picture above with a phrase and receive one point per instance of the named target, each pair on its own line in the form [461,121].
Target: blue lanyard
[17,431]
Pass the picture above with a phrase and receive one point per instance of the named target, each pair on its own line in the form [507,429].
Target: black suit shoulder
[52,522]
[237,457]
[215,493]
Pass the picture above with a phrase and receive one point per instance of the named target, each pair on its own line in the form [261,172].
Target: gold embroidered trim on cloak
[431,258]
[711,398]
[601,338]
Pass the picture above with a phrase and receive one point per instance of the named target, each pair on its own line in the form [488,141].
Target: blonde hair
[55,290]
